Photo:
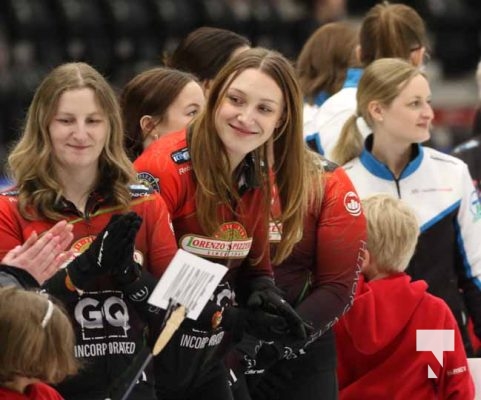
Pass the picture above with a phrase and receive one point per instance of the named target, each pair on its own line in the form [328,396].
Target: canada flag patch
[352,203]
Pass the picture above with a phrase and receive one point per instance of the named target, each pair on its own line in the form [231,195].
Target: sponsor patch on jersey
[230,241]
[275,230]
[100,315]
[82,244]
[140,295]
[9,193]
[475,205]
[184,170]
[352,204]
[149,180]
[181,156]
[140,190]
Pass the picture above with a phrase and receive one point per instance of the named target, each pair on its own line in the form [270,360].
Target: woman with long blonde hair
[70,164]
[394,98]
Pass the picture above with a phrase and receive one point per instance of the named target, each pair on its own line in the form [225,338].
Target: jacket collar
[381,170]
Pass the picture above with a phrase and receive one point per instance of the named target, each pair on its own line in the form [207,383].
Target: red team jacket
[165,165]
[320,274]
[376,345]
[155,244]
[109,331]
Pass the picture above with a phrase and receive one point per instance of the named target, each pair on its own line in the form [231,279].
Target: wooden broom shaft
[172,324]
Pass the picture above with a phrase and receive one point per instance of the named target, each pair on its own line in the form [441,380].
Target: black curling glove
[266,296]
[110,253]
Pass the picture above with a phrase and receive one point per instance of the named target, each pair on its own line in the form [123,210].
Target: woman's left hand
[42,256]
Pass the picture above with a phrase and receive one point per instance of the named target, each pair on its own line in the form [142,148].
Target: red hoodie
[376,345]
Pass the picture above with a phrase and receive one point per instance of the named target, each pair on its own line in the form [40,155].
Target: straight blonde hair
[392,232]
[381,81]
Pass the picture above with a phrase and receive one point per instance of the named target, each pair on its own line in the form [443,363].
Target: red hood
[381,310]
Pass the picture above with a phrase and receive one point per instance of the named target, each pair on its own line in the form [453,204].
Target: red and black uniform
[35,391]
[377,345]
[319,279]
[109,331]
[320,274]
[188,362]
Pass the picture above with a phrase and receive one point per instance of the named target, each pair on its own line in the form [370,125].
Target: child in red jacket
[376,339]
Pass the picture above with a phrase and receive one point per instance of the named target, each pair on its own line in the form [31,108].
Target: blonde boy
[376,339]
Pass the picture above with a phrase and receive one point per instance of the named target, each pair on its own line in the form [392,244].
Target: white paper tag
[189,280]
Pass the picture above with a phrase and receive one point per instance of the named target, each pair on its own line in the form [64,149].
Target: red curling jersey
[109,332]
[154,245]
[165,165]
[320,275]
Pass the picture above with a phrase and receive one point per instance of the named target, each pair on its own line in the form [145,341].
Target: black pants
[313,376]
[213,386]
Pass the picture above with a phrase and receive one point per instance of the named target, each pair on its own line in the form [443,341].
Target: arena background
[123,37]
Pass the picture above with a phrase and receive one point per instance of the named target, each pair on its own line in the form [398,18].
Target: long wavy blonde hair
[30,163]
[215,183]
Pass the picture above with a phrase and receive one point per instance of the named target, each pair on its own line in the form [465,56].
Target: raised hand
[42,256]
[110,253]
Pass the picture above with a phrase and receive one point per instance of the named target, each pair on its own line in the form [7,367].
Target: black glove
[258,323]
[110,252]
[265,295]
[272,383]
[239,320]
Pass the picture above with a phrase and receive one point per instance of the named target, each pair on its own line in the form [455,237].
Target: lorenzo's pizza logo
[149,180]
[230,241]
[82,244]
[352,204]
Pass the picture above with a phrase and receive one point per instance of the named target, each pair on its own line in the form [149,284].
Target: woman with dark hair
[204,51]
[156,102]
[324,67]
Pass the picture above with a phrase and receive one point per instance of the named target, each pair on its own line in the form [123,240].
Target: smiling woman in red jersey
[214,177]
